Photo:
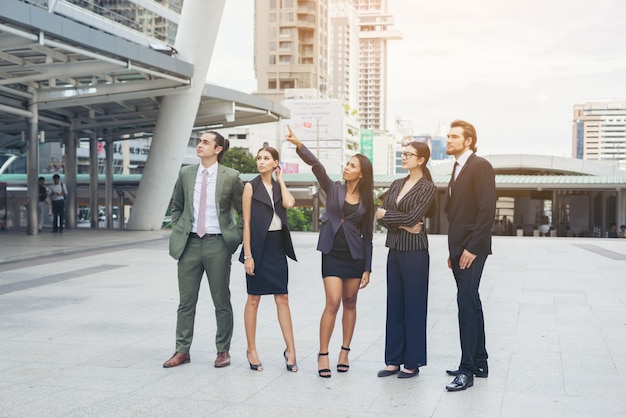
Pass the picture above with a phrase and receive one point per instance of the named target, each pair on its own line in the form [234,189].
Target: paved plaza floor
[87,318]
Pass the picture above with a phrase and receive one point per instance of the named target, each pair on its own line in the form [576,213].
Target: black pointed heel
[325,373]
[290,367]
[255,367]
[341,367]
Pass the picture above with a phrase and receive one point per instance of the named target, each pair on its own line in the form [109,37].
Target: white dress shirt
[462,160]
[212,221]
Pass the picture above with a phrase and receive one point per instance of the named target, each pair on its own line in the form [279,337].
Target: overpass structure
[63,80]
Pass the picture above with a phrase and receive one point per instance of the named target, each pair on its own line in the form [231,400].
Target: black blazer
[471,208]
[261,215]
[358,226]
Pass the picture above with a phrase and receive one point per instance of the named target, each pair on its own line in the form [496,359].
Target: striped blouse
[407,212]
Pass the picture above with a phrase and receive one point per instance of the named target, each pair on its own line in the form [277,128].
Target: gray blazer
[228,191]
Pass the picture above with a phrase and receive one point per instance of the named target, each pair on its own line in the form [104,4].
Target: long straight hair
[366,191]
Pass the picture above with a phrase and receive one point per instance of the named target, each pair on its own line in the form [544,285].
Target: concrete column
[108,184]
[195,41]
[70,179]
[33,166]
[93,180]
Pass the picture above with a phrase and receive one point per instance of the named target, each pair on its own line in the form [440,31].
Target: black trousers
[58,214]
[471,319]
[407,307]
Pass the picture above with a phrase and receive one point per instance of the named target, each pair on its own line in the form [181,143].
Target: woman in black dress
[345,241]
[266,246]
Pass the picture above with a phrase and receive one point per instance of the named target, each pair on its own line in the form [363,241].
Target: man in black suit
[471,208]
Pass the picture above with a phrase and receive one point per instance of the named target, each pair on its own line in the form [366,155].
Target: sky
[513,69]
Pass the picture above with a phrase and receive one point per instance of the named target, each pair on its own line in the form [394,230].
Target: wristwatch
[245,257]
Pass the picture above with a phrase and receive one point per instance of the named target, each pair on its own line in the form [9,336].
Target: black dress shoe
[462,381]
[406,375]
[387,373]
[480,372]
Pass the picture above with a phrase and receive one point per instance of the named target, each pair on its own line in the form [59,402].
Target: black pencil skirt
[339,261]
[271,274]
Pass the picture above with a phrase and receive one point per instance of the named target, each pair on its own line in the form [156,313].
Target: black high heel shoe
[255,367]
[290,367]
[325,373]
[341,367]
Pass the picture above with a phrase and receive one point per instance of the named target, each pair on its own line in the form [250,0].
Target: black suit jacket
[261,215]
[471,208]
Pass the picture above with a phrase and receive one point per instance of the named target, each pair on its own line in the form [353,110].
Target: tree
[299,219]
[240,159]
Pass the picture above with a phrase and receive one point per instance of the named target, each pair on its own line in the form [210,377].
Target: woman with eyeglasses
[345,241]
[407,203]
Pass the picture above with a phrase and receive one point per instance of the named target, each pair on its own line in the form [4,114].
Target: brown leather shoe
[177,359]
[223,359]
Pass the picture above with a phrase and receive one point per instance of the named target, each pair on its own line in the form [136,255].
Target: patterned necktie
[201,225]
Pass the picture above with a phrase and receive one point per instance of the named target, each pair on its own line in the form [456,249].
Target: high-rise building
[439,144]
[599,132]
[338,47]
[343,76]
[290,46]
[375,30]
[320,50]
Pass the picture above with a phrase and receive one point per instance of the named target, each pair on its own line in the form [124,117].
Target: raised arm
[288,200]
[291,137]
[309,158]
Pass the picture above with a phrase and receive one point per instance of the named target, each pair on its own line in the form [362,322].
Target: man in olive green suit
[204,237]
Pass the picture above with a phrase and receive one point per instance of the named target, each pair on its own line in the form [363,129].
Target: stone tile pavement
[87,318]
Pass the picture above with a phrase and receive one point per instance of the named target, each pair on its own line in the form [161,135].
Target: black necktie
[452,178]
[454,171]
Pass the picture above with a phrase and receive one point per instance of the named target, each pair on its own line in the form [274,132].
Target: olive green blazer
[228,192]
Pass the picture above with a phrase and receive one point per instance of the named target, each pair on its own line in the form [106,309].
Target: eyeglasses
[406,155]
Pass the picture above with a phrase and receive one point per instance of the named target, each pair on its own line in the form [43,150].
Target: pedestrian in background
[42,204]
[58,193]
